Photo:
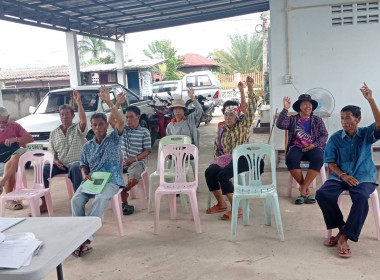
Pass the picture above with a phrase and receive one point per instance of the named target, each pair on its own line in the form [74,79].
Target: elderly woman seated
[185,125]
[306,142]
[234,131]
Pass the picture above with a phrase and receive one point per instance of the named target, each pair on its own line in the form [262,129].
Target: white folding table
[60,237]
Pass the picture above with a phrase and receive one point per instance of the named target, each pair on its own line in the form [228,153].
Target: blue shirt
[353,155]
[104,157]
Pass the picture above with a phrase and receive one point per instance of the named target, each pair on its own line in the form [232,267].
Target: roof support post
[72,54]
[119,59]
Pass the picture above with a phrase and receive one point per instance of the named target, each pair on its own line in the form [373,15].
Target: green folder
[98,183]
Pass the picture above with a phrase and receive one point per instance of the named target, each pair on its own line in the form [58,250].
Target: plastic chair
[116,204]
[293,183]
[244,191]
[375,207]
[143,188]
[21,192]
[167,140]
[180,155]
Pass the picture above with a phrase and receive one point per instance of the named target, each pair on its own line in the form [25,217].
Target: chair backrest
[38,158]
[180,155]
[171,139]
[253,153]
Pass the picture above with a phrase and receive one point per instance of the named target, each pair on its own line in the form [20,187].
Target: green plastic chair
[252,187]
[171,139]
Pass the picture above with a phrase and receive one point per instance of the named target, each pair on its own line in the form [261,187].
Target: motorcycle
[208,107]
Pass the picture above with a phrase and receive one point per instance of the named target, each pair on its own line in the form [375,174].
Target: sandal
[310,199]
[128,209]
[85,249]
[215,209]
[299,200]
[345,252]
[330,242]
[14,205]
[228,216]
[77,252]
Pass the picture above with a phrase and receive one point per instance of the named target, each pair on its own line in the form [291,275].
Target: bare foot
[343,248]
[304,191]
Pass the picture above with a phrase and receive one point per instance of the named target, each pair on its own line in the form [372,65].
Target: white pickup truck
[45,117]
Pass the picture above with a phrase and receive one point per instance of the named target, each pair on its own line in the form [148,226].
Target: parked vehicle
[174,87]
[207,106]
[45,117]
[204,83]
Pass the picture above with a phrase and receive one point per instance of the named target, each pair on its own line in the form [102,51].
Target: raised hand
[104,93]
[241,86]
[366,91]
[190,93]
[287,102]
[76,96]
[121,98]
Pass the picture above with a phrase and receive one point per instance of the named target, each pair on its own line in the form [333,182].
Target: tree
[244,56]
[95,48]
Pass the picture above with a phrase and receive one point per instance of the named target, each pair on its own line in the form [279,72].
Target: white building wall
[337,58]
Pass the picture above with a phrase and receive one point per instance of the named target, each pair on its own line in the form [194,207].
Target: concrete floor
[179,253]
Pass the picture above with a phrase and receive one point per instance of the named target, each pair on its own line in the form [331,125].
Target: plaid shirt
[238,134]
[67,147]
[319,133]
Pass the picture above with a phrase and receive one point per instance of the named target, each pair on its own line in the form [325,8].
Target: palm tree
[95,47]
[244,56]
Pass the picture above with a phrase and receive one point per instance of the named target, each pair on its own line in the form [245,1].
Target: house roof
[193,59]
[135,65]
[112,19]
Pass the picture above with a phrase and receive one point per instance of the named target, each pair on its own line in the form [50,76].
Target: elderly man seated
[102,153]
[12,136]
[348,153]
[135,142]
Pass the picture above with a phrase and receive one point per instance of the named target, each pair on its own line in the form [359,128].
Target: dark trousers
[75,174]
[294,156]
[219,178]
[327,197]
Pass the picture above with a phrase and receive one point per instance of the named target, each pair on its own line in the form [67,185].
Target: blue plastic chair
[251,187]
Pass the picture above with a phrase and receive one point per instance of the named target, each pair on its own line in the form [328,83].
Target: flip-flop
[228,216]
[345,252]
[14,205]
[330,242]
[299,200]
[88,248]
[215,209]
[128,209]
[310,199]
[77,252]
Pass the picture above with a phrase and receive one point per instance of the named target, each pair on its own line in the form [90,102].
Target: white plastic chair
[21,192]
[375,207]
[171,139]
[180,155]
[253,188]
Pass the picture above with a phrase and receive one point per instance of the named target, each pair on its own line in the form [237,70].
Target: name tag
[34,146]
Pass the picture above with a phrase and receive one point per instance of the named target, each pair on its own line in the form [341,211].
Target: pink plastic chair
[21,192]
[375,207]
[143,189]
[115,204]
[180,157]
[293,183]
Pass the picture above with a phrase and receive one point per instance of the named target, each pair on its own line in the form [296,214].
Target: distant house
[195,62]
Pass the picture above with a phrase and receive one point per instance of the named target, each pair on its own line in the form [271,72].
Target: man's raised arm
[104,95]
[367,93]
[82,114]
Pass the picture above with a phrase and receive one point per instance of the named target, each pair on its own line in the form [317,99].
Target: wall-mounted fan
[325,99]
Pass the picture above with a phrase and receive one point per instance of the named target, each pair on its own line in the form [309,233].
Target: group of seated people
[348,154]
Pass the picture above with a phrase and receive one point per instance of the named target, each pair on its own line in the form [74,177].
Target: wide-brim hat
[304,97]
[177,103]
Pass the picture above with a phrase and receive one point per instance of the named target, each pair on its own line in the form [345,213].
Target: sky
[24,46]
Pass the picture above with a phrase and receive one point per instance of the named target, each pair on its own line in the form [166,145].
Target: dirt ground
[180,253]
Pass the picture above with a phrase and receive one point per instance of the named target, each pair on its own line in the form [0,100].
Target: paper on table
[17,253]
[6,223]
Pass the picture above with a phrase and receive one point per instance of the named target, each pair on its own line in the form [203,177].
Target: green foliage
[244,56]
[95,47]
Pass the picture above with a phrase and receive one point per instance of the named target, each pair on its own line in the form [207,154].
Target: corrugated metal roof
[112,19]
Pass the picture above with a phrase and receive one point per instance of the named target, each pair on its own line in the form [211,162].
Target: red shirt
[13,130]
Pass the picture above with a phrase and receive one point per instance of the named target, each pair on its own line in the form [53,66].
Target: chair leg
[376,211]
[209,200]
[70,188]
[234,217]
[268,211]
[245,206]
[329,234]
[151,192]
[2,207]
[132,192]
[184,203]
[323,174]
[157,199]
[277,216]
[290,185]
[117,212]
[195,211]
[173,206]
[49,204]
[35,207]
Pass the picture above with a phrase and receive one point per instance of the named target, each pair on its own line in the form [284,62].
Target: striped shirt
[67,147]
[238,134]
[135,141]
